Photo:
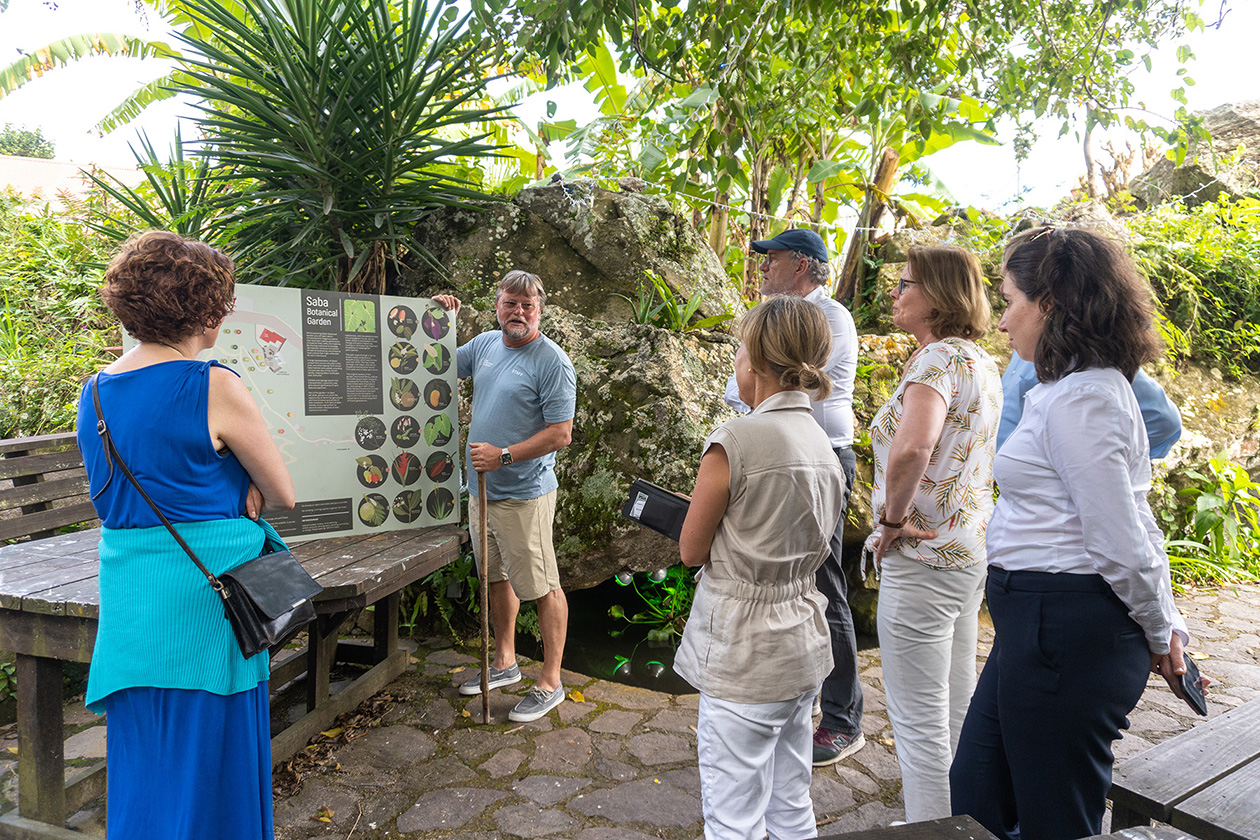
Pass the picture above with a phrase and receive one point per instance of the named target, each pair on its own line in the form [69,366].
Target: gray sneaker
[536,704]
[499,677]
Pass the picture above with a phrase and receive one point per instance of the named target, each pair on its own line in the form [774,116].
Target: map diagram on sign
[357,392]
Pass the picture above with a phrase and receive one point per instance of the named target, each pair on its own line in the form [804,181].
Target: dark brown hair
[1099,311]
[164,288]
[953,283]
[789,337]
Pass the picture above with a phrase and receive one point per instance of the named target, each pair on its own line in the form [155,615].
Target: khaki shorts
[519,543]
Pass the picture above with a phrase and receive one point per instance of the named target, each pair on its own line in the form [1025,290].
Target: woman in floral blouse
[934,443]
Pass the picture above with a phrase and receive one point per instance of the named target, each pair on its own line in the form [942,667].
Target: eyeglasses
[526,306]
[901,285]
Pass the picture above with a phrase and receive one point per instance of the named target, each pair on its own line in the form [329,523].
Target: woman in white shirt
[933,491]
[767,498]
[1078,581]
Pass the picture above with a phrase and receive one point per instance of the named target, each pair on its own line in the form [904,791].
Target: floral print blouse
[955,494]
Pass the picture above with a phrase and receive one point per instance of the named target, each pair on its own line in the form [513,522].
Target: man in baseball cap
[796,263]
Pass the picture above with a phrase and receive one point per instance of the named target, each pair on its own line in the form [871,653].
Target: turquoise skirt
[187,764]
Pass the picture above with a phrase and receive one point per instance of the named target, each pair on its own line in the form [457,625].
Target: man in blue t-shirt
[524,394]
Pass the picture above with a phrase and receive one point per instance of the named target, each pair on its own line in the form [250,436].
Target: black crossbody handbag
[266,600]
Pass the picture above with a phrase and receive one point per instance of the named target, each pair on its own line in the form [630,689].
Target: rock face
[589,245]
[647,398]
[1211,170]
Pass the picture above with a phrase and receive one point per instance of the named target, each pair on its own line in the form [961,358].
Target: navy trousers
[1068,665]
[841,694]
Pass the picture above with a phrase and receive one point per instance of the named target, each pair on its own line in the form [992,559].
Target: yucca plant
[334,123]
[176,196]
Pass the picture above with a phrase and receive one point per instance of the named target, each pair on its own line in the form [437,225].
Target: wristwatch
[506,458]
[893,525]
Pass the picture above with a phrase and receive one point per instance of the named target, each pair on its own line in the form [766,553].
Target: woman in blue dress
[189,750]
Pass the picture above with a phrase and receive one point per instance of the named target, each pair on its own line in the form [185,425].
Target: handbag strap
[111,457]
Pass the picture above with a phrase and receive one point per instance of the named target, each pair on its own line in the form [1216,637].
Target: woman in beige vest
[766,501]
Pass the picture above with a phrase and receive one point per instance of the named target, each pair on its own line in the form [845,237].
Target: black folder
[656,508]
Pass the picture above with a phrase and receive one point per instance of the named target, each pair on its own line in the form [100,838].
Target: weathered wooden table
[48,612]
[1205,781]
[946,828]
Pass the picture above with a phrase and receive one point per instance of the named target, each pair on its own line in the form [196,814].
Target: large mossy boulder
[592,247]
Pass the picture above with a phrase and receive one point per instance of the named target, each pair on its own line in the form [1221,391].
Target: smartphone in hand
[1191,688]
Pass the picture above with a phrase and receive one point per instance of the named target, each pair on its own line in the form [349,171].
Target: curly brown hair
[953,283]
[164,287]
[1099,309]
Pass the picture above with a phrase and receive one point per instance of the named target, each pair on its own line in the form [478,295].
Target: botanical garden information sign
[356,391]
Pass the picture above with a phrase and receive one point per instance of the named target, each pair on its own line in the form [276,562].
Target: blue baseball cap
[797,239]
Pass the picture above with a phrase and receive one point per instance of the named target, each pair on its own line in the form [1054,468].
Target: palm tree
[335,123]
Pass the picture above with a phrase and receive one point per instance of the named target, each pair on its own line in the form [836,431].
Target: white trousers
[755,765]
[927,646]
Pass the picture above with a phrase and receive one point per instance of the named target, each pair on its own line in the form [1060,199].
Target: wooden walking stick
[483,542]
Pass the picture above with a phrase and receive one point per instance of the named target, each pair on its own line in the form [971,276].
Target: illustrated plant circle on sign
[404,394]
[373,509]
[402,321]
[436,322]
[438,430]
[405,431]
[406,469]
[437,394]
[408,505]
[372,471]
[369,433]
[403,357]
[436,358]
[439,466]
[441,503]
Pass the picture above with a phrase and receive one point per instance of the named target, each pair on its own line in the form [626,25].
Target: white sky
[67,102]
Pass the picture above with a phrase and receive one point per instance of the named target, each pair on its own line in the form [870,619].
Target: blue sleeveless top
[158,417]
[161,625]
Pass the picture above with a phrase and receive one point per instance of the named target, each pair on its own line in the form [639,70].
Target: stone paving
[613,761]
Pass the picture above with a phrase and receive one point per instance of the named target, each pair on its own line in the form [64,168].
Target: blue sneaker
[499,677]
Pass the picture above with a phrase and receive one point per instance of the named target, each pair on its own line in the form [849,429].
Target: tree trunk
[717,225]
[848,284]
[758,223]
[1091,168]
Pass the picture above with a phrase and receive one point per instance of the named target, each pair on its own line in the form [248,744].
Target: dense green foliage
[1205,267]
[53,329]
[25,142]
[1214,536]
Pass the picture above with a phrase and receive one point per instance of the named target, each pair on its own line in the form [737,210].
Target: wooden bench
[946,828]
[49,606]
[1205,781]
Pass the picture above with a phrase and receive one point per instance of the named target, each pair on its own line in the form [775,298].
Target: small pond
[631,658]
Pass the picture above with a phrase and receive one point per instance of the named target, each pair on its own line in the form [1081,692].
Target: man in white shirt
[796,263]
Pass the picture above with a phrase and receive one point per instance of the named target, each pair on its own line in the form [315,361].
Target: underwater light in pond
[657,576]
[624,578]
[655,668]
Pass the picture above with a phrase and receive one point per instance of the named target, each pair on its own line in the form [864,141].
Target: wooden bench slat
[46,520]
[1154,782]
[39,443]
[383,566]
[80,598]
[40,464]
[37,551]
[1228,810]
[45,491]
[323,563]
[27,580]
